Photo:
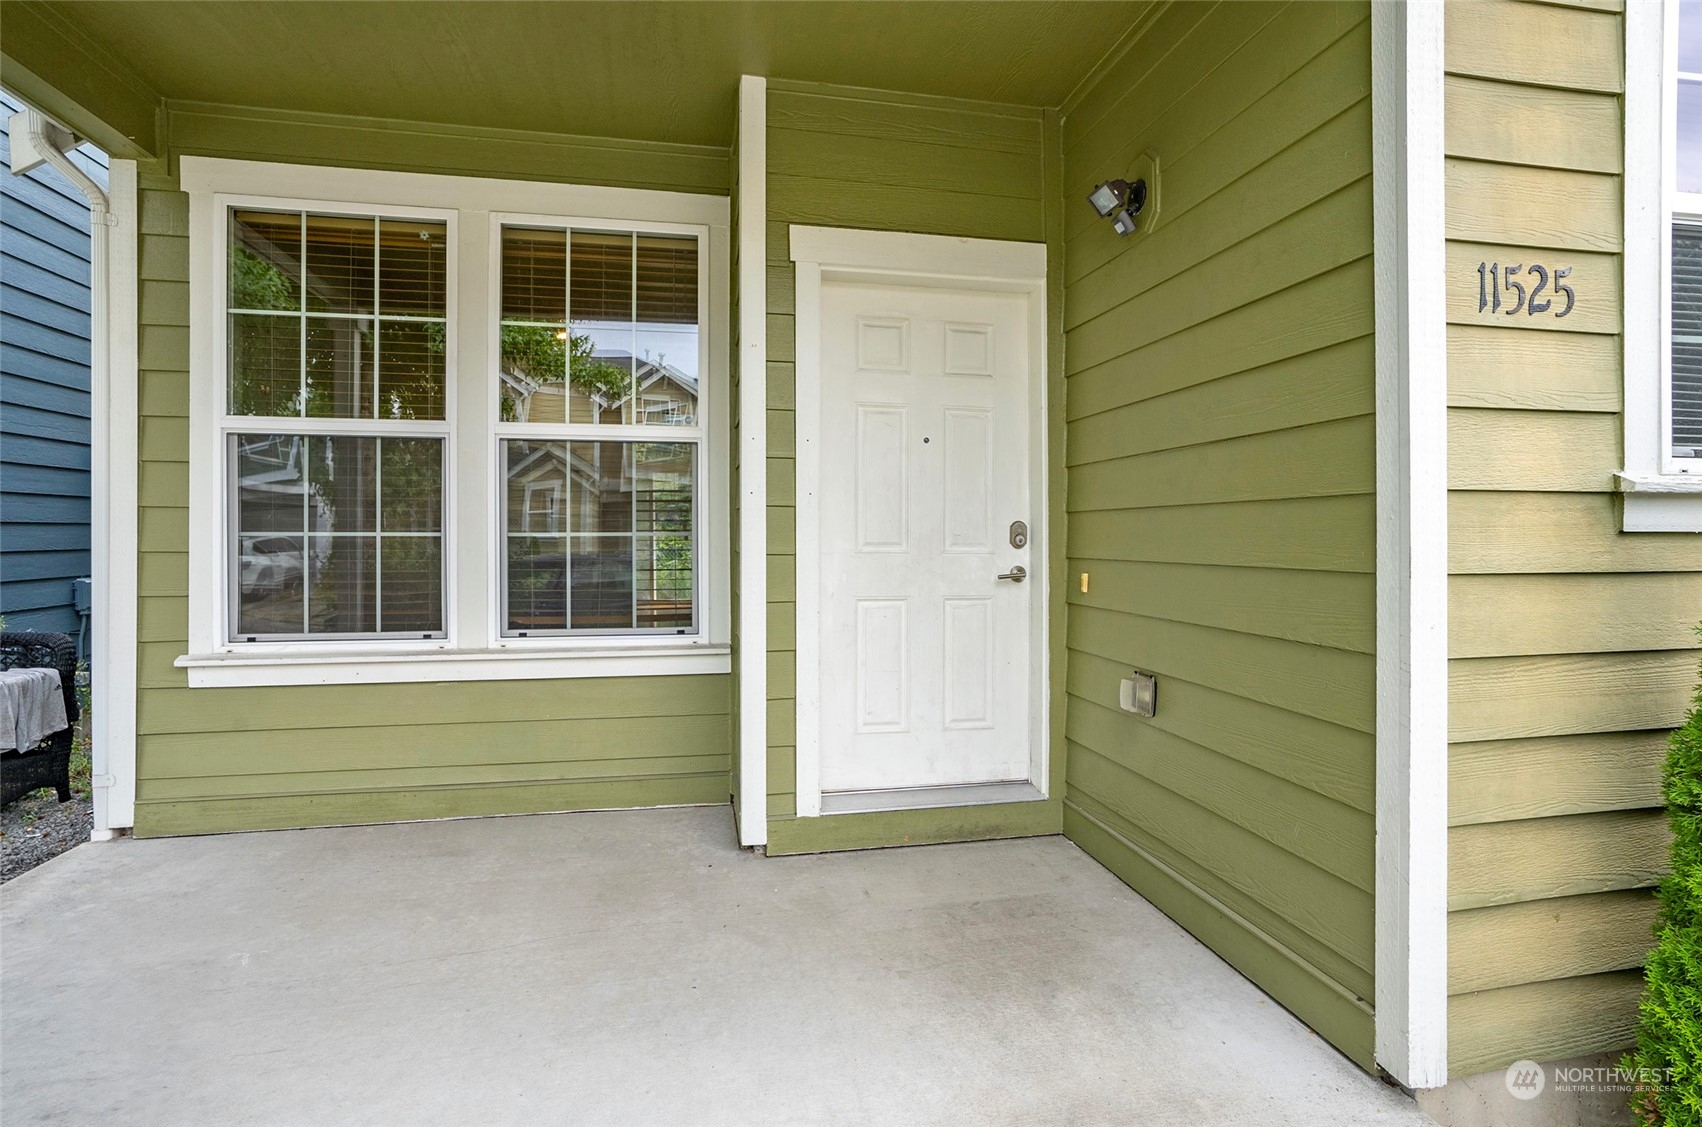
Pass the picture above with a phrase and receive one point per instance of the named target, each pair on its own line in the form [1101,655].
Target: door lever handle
[1016,574]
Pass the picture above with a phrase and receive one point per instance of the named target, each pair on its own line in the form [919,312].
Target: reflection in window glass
[665,337]
[336,316]
[1689,124]
[1690,36]
[339,378]
[265,365]
[1690,135]
[265,260]
[600,300]
[337,535]
[413,268]
[340,266]
[627,352]
[599,536]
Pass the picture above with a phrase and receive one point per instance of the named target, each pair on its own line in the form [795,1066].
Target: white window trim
[473,648]
[1659,495]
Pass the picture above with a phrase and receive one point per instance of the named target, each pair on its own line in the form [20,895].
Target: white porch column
[753,461]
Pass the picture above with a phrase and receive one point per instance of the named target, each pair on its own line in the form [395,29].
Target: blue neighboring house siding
[44,390]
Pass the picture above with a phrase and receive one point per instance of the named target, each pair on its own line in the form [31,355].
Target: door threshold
[928,798]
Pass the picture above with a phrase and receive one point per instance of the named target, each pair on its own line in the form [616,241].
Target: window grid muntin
[569,432]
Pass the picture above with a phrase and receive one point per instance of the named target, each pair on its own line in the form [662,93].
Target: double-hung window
[334,428]
[448,428]
[1662,480]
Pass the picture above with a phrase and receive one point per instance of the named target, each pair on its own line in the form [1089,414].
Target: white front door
[925,643]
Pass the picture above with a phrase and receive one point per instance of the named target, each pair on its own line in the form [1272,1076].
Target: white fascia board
[1411,971]
[752,654]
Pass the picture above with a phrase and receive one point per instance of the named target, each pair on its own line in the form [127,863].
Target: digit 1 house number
[1493,279]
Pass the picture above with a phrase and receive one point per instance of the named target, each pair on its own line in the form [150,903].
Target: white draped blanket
[32,706]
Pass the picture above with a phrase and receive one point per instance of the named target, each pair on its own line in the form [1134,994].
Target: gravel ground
[38,828]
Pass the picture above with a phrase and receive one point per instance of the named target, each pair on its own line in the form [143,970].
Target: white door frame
[937,261]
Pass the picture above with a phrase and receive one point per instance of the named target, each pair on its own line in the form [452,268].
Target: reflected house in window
[596,391]
[337,534]
[599,536]
[599,328]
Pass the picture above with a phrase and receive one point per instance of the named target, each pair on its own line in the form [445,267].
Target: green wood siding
[212,760]
[839,157]
[1569,641]
[1220,493]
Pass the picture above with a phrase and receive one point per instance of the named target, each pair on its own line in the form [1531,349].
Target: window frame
[473,646]
[500,431]
[1660,493]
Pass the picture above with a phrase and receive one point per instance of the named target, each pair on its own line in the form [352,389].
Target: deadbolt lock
[1019,534]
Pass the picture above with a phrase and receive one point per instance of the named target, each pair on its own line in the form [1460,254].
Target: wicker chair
[48,764]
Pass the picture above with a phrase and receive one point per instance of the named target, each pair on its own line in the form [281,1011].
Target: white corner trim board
[1412,536]
[753,461]
[114,523]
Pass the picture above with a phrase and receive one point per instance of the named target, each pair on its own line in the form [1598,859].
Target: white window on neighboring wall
[432,440]
[1662,479]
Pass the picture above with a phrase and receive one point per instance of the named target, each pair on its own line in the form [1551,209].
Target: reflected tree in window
[534,356]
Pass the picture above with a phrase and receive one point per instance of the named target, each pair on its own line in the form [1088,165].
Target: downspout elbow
[51,143]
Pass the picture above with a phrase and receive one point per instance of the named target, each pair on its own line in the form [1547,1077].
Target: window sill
[1660,502]
[395,666]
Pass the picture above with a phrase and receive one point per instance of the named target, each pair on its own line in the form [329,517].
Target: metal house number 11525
[1493,278]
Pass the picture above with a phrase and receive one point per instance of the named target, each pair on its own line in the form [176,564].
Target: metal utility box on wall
[1139,694]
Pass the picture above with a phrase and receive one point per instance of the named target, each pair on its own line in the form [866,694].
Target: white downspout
[36,140]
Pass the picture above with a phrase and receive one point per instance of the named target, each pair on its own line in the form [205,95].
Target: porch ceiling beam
[51,64]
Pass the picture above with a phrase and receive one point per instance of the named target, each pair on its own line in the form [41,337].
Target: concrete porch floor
[629,968]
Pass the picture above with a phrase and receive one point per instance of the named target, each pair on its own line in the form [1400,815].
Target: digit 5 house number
[1493,279]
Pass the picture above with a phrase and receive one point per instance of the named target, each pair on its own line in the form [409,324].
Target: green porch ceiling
[662,71]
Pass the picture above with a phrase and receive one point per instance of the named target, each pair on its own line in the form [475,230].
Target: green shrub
[1669,1032]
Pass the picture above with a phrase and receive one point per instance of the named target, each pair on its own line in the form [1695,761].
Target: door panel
[926,654]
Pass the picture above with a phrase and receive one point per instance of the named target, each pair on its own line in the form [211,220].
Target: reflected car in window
[271,563]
